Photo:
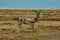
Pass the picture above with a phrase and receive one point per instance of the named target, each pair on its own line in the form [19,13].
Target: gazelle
[28,21]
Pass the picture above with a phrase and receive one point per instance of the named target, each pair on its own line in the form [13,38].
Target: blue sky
[29,3]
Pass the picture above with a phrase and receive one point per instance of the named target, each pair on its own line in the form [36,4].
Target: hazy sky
[29,3]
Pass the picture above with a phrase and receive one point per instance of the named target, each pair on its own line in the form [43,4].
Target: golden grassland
[47,28]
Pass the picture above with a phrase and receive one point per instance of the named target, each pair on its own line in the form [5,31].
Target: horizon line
[29,8]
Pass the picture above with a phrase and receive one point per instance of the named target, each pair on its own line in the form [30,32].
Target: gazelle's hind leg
[19,27]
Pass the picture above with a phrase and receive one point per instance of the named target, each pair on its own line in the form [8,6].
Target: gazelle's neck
[36,18]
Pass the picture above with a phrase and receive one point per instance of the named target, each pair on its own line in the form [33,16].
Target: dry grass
[48,28]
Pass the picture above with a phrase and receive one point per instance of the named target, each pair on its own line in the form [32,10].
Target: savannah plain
[47,28]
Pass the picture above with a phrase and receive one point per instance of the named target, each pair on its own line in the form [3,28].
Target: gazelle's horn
[40,11]
[35,11]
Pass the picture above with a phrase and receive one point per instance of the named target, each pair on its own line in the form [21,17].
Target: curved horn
[40,11]
[35,11]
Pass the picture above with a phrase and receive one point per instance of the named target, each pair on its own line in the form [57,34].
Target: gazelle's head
[37,15]
[37,12]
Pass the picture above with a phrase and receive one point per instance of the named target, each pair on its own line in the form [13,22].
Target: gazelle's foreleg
[32,25]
